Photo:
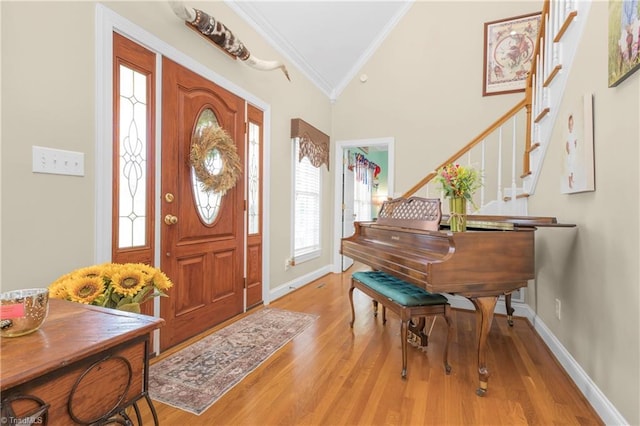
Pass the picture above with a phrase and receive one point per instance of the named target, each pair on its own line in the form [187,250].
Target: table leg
[485,306]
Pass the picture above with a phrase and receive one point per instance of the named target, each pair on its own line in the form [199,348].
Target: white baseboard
[605,409]
[292,285]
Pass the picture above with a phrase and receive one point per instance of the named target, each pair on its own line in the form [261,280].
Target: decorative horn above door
[216,32]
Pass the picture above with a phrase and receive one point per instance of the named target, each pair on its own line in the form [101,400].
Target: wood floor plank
[335,375]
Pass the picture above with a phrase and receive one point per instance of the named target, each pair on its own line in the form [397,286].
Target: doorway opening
[357,163]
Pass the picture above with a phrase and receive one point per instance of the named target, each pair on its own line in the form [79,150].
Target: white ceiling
[329,41]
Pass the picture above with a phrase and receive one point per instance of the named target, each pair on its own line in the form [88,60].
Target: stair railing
[524,131]
[559,35]
[495,149]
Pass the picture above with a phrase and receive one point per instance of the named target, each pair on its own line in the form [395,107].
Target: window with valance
[310,152]
[314,144]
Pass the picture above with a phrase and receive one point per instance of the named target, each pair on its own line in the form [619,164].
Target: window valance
[314,144]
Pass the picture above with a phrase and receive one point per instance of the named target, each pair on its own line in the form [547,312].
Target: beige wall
[424,89]
[48,82]
[424,86]
[593,269]
[47,100]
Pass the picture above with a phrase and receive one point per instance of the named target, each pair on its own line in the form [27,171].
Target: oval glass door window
[207,202]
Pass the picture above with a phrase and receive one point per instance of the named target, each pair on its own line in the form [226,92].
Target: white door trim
[389,142]
[107,22]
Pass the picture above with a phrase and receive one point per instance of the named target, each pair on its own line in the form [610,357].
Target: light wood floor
[334,375]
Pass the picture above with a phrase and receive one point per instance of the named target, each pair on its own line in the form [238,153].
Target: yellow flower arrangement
[458,184]
[121,286]
[459,181]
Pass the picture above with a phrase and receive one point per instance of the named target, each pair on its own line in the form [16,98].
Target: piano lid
[426,214]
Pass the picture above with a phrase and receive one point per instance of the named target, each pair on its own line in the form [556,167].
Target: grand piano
[410,240]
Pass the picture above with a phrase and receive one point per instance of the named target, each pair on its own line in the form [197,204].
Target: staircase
[510,152]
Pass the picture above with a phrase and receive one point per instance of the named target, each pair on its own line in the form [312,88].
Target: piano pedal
[417,340]
[416,330]
[412,339]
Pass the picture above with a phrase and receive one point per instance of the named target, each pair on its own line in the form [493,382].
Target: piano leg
[404,334]
[485,306]
[353,311]
[510,310]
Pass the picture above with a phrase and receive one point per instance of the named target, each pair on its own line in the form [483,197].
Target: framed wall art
[508,51]
[624,32]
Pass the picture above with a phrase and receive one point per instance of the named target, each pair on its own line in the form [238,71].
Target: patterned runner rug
[195,377]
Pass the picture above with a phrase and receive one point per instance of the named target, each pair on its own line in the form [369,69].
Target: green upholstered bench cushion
[400,291]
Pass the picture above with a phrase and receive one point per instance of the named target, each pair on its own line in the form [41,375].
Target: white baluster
[482,168]
[556,17]
[547,96]
[513,159]
[534,104]
[539,83]
[543,63]
[499,195]
[548,46]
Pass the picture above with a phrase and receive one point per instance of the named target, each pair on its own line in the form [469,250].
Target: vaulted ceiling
[328,41]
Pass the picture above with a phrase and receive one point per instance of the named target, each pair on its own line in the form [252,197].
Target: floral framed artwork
[508,51]
[578,170]
[624,33]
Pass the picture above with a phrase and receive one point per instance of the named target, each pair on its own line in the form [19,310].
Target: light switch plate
[57,161]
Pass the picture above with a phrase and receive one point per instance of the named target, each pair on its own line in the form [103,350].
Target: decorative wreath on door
[213,139]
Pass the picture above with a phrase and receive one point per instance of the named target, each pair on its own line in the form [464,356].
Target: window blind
[306,207]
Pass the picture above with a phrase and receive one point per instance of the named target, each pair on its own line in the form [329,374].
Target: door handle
[170,219]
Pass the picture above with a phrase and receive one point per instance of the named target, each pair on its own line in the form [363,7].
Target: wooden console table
[85,365]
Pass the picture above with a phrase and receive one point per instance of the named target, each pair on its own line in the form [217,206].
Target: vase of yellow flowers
[458,185]
[122,286]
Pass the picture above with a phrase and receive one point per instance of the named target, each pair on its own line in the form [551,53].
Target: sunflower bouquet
[122,286]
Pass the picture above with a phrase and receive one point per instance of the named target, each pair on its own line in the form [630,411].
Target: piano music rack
[412,212]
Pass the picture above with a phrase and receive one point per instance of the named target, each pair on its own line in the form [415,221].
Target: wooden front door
[202,236]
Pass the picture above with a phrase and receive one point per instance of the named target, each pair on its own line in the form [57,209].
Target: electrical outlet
[57,161]
[558,309]
[289,263]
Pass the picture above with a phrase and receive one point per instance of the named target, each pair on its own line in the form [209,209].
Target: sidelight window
[253,178]
[132,158]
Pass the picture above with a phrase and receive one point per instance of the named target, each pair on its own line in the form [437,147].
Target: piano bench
[406,300]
